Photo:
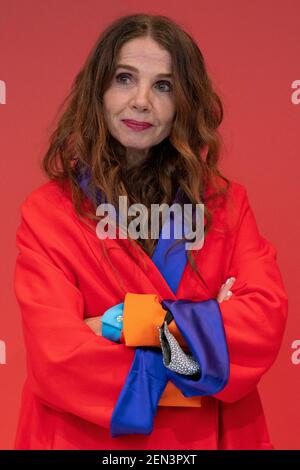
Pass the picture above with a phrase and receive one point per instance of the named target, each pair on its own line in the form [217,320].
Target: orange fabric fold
[142,315]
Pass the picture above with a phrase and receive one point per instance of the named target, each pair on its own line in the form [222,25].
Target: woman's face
[141,90]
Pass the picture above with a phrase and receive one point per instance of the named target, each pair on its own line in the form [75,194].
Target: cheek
[111,103]
[168,119]
[168,112]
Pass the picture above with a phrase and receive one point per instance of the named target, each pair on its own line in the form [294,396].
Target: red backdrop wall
[252,51]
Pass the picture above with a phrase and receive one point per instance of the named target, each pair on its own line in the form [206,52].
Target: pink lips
[136,125]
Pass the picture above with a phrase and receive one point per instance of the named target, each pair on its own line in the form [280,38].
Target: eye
[121,76]
[166,83]
[162,84]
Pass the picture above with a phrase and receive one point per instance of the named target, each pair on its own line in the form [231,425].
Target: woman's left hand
[225,293]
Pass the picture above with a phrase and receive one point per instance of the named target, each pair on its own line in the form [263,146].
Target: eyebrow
[130,67]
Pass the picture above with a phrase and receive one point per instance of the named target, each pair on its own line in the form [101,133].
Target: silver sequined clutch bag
[174,358]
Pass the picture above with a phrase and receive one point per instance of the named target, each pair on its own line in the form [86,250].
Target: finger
[228,295]
[94,323]
[227,285]
[230,281]
[225,288]
[221,296]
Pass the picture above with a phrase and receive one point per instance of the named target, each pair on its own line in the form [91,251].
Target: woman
[144,69]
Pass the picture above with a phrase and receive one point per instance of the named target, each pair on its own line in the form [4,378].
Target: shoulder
[49,231]
[231,189]
[228,197]
[48,195]
[227,203]
[237,199]
[47,212]
[50,203]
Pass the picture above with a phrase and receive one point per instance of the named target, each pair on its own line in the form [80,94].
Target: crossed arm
[94,323]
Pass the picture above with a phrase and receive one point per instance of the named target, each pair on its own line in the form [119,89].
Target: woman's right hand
[225,292]
[95,324]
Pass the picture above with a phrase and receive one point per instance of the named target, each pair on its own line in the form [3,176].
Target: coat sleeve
[255,316]
[69,368]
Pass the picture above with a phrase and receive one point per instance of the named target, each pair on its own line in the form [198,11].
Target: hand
[225,292]
[95,324]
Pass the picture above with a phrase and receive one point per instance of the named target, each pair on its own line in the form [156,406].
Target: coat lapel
[164,270]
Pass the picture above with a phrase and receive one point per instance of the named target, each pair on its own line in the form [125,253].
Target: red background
[252,51]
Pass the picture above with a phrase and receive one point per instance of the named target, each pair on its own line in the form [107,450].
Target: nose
[140,99]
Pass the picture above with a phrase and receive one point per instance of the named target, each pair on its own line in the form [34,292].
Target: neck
[135,157]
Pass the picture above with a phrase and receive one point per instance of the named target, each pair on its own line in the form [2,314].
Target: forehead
[145,50]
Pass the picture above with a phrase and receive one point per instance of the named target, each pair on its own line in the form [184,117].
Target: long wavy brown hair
[186,160]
